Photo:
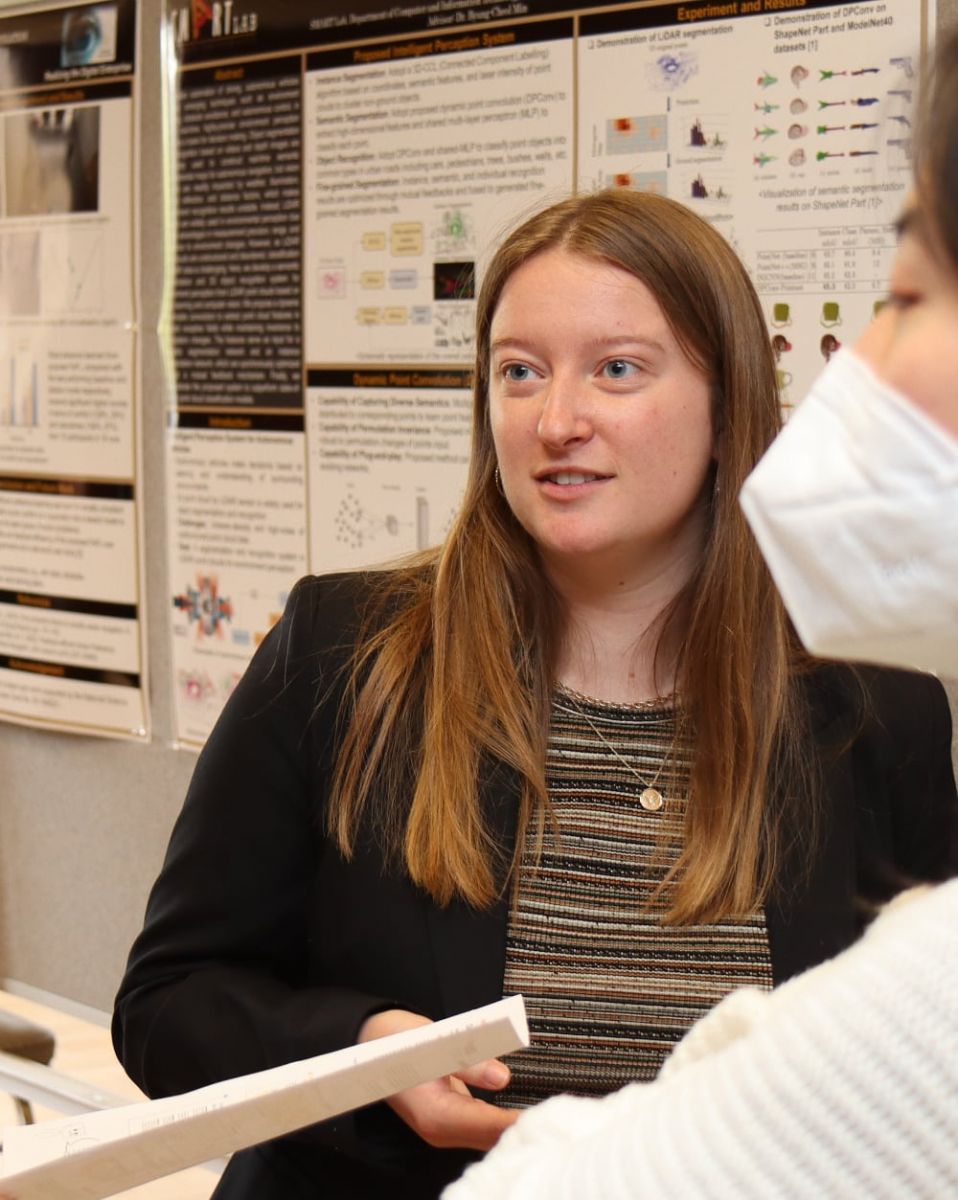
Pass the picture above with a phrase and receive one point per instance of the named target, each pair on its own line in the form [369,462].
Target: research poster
[784,124]
[342,171]
[71,584]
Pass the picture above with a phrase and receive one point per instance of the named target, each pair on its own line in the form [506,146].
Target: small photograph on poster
[89,36]
[454,281]
[52,161]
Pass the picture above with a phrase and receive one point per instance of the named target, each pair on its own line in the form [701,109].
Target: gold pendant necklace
[650,797]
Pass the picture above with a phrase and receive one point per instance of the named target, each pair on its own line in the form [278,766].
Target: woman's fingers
[444,1114]
[491,1075]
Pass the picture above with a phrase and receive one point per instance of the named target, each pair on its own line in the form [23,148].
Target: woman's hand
[443,1112]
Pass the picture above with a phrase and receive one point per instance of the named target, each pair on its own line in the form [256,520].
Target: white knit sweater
[842,1083]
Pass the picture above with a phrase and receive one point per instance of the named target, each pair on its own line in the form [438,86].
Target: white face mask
[855,507]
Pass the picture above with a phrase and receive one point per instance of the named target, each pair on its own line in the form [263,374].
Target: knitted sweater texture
[841,1083]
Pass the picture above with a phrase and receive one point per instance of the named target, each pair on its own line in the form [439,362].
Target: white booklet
[102,1153]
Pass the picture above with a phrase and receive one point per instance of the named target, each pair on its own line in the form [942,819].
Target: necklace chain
[651,798]
[653,703]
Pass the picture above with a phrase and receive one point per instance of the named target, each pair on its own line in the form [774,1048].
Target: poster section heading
[677,17]
[401,51]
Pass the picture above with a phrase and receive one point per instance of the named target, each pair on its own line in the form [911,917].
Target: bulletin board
[341,171]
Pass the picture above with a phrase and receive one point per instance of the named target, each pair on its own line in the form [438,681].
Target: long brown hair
[936,165]
[458,675]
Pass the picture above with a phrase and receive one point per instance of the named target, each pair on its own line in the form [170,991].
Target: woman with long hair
[575,752]
[845,1081]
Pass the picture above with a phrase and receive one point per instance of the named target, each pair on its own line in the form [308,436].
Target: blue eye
[619,368]
[517,372]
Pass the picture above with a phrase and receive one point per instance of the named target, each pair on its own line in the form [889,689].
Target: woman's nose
[565,416]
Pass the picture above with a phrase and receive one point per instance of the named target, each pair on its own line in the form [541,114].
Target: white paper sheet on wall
[98,1155]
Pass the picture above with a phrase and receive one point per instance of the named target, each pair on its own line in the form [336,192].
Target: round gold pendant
[651,799]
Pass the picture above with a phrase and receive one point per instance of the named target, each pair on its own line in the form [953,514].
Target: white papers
[88,1157]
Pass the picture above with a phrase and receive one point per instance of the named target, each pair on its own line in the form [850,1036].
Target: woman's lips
[570,480]
[567,477]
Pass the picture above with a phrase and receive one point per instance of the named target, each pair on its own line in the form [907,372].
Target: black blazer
[262,946]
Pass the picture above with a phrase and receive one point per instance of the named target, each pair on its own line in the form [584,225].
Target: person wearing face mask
[843,1082]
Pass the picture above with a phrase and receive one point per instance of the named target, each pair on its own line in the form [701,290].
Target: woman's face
[602,425]
[913,342]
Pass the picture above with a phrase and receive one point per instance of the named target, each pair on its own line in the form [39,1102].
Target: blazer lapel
[811,915]
[469,945]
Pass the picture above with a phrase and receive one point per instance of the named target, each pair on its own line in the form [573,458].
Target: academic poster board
[342,169]
[71,578]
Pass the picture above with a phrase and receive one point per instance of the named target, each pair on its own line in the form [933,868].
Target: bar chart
[20,399]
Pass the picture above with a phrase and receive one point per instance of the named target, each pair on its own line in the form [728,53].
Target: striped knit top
[608,989]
